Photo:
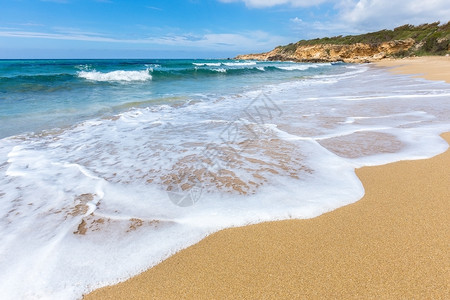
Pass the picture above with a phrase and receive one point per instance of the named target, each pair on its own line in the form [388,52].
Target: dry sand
[429,67]
[393,243]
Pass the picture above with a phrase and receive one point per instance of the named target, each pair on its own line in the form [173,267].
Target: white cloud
[296,20]
[269,3]
[154,8]
[318,29]
[251,40]
[244,41]
[363,15]
[55,36]
[360,16]
[391,13]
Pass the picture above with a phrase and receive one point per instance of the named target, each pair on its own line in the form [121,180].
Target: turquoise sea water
[44,94]
[108,167]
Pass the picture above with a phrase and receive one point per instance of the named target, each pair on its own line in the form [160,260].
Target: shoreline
[428,67]
[391,243]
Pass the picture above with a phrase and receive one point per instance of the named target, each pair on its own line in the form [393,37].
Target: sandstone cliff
[354,53]
[406,40]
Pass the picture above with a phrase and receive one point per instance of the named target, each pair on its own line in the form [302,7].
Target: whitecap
[119,75]
[240,64]
[301,67]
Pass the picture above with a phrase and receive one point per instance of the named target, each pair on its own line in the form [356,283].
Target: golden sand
[429,67]
[393,243]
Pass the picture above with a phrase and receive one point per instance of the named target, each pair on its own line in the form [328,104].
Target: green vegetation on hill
[430,39]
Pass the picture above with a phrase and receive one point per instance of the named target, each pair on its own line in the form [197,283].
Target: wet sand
[393,243]
[428,67]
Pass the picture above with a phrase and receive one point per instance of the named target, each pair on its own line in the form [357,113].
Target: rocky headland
[403,41]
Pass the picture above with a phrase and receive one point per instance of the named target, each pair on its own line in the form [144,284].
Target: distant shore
[393,243]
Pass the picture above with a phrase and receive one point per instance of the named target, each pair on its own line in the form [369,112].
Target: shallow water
[108,167]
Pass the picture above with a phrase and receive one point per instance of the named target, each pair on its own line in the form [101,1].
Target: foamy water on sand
[106,197]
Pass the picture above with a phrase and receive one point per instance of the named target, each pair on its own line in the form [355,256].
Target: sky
[192,28]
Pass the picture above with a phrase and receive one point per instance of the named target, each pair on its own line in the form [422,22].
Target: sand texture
[429,67]
[392,244]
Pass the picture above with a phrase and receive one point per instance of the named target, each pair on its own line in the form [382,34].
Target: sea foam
[240,64]
[220,70]
[104,199]
[301,67]
[119,75]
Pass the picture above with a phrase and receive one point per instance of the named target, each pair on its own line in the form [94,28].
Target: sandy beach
[393,243]
[429,67]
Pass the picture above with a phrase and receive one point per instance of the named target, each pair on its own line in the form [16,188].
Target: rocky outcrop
[354,53]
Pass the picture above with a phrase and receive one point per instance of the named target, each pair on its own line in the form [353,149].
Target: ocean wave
[83,67]
[220,70]
[119,75]
[118,177]
[240,64]
[294,68]
[36,83]
[302,67]
[161,74]
[207,64]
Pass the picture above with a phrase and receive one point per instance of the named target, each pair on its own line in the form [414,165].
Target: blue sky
[191,28]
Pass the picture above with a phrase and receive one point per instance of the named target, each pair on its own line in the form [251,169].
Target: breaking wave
[119,75]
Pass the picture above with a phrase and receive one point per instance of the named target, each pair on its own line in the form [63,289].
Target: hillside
[403,41]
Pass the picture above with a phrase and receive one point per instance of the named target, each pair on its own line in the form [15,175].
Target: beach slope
[393,243]
[428,67]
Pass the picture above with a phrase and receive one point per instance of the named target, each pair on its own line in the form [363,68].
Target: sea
[108,167]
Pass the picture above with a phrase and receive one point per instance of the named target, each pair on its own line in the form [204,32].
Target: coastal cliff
[404,41]
[359,52]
